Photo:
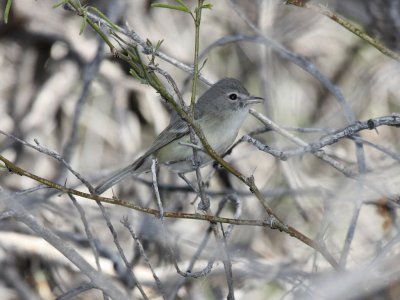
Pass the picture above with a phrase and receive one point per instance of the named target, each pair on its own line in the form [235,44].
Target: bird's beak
[253,100]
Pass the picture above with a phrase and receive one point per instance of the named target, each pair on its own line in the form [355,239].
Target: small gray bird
[220,112]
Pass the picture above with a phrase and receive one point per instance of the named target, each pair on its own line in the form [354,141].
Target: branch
[346,24]
[347,132]
[271,222]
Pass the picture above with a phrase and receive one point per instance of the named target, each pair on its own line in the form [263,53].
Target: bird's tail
[137,167]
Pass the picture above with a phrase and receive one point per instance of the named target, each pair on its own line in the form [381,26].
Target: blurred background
[66,91]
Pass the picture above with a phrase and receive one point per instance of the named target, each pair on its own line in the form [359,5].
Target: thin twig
[271,222]
[114,234]
[137,39]
[129,226]
[320,154]
[313,70]
[88,232]
[155,187]
[89,73]
[52,154]
[204,201]
[74,292]
[346,24]
[98,279]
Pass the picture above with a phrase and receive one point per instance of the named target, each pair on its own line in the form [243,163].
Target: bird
[220,112]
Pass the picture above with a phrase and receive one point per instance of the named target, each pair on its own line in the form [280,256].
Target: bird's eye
[233,96]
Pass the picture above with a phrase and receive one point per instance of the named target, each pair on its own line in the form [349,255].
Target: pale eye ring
[233,96]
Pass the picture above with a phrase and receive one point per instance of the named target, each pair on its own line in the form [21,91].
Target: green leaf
[132,55]
[182,3]
[84,23]
[7,11]
[202,65]
[159,44]
[60,3]
[135,74]
[104,17]
[207,6]
[170,6]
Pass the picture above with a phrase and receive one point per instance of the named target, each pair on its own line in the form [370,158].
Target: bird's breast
[220,133]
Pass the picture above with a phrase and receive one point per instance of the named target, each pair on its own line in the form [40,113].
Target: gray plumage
[220,111]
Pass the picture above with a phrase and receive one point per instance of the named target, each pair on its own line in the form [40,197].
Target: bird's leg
[154,169]
[197,147]
[189,183]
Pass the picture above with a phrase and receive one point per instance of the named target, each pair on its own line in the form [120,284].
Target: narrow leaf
[104,17]
[149,43]
[182,3]
[7,11]
[169,6]
[207,6]
[135,74]
[203,64]
[159,43]
[84,23]
[60,3]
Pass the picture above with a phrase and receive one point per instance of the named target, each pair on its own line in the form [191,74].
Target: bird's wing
[172,132]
